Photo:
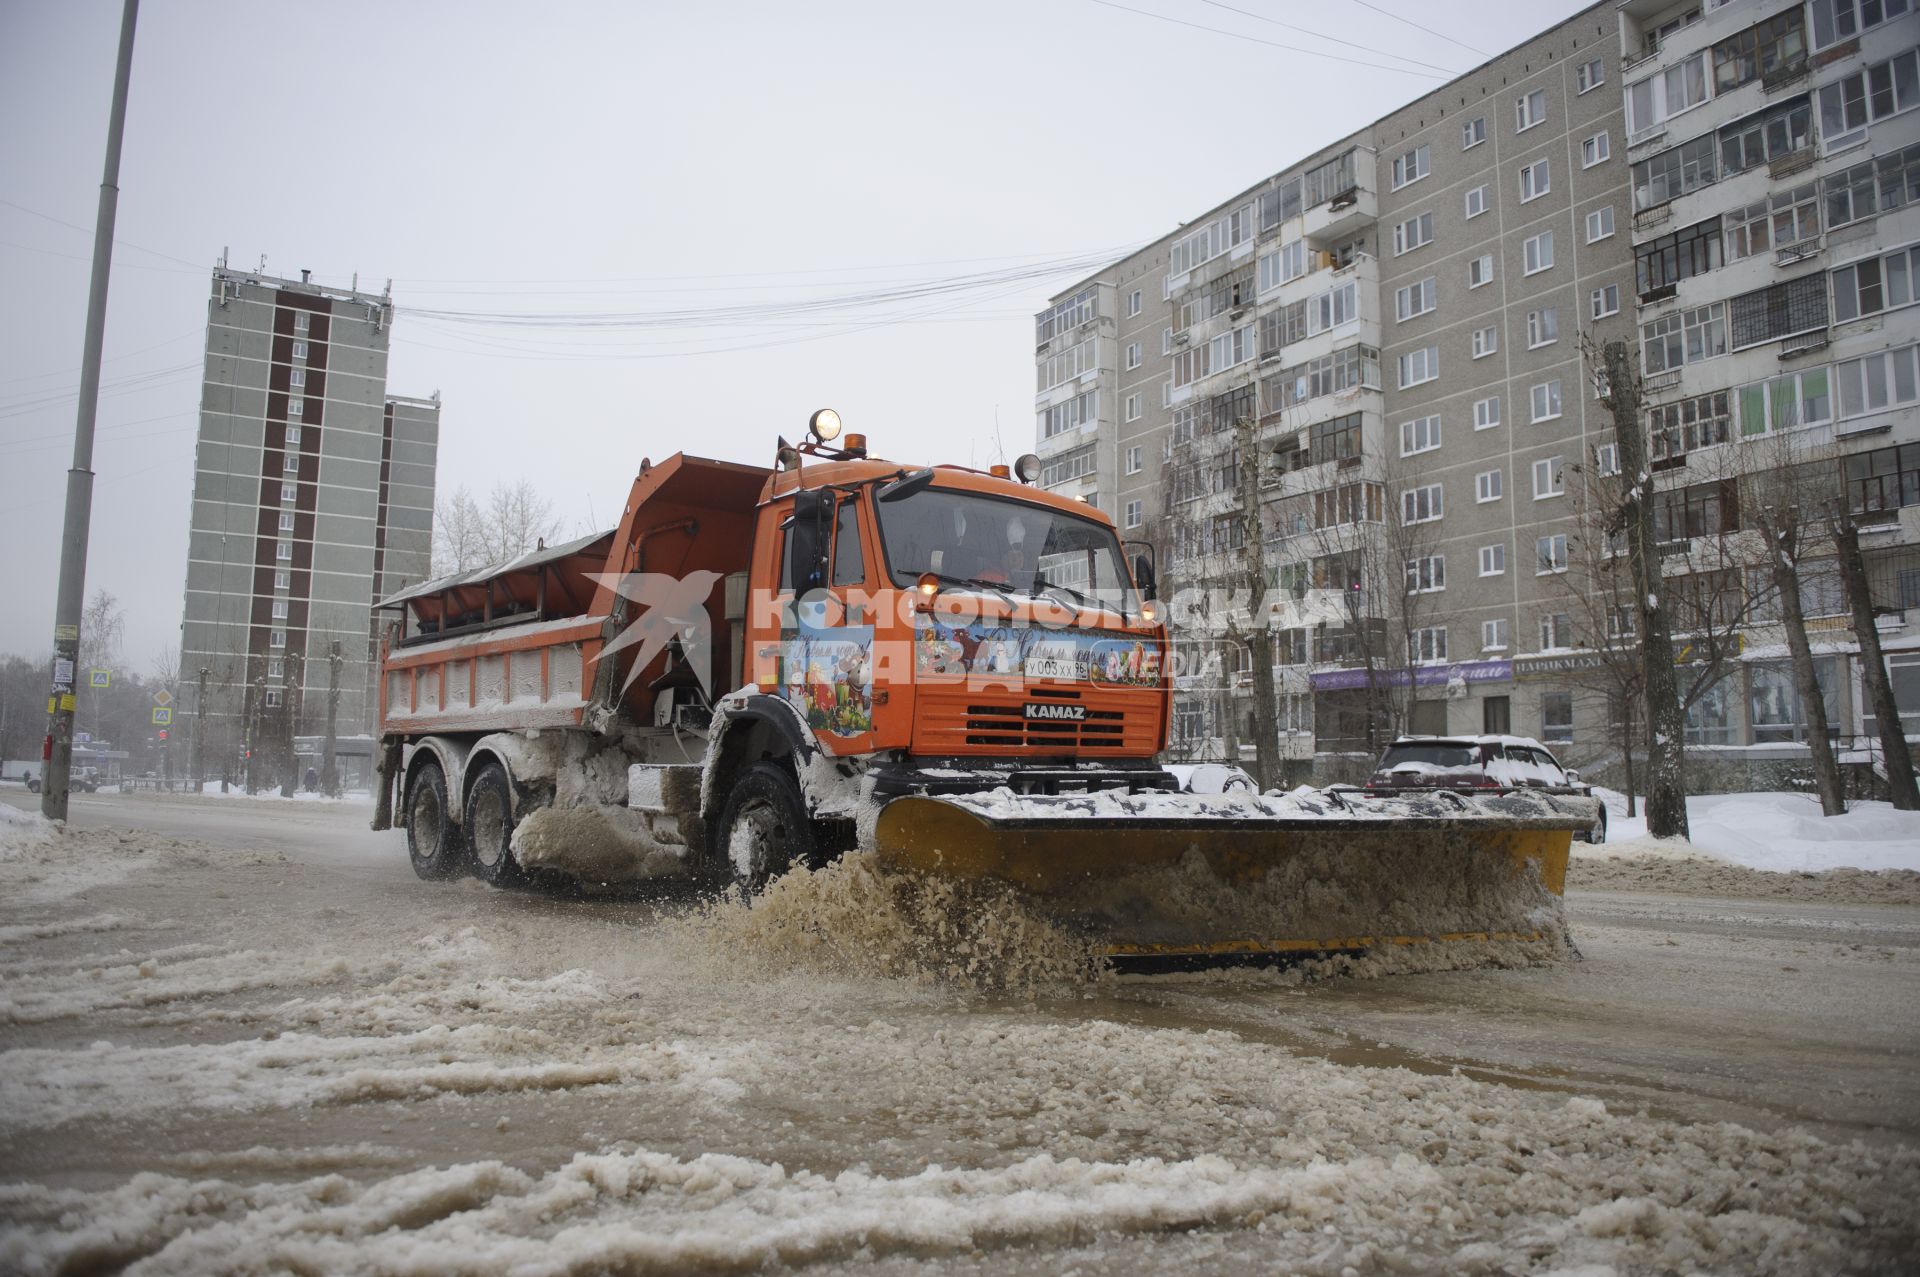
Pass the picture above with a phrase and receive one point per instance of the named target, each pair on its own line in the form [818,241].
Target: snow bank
[22,829]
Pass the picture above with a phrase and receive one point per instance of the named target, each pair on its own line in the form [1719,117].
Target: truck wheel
[1598,834]
[433,840]
[764,828]
[490,827]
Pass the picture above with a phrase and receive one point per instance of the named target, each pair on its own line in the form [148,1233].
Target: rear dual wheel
[490,827]
[439,848]
[434,842]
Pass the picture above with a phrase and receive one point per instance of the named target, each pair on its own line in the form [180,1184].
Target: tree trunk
[1253,554]
[1783,560]
[1666,724]
[1886,712]
[1626,747]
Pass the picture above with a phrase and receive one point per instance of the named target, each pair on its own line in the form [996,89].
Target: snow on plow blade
[1182,878]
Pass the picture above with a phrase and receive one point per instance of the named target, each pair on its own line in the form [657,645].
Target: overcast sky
[655,161]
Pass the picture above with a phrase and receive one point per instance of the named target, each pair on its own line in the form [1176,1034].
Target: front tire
[490,827]
[1598,834]
[434,844]
[764,829]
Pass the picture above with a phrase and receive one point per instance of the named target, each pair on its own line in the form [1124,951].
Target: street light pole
[58,750]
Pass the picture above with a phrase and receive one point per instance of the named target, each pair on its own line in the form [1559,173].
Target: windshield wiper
[979,582]
[1086,599]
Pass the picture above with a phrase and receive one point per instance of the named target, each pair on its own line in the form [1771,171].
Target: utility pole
[58,749]
[200,735]
[329,766]
[289,716]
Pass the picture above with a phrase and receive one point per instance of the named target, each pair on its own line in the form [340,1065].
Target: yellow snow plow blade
[1172,876]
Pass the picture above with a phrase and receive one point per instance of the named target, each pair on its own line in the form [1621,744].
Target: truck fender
[747,728]
[530,769]
[451,754]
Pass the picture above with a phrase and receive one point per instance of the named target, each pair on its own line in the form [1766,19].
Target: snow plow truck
[951,670]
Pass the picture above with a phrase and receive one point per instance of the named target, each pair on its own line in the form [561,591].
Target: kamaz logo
[1055,712]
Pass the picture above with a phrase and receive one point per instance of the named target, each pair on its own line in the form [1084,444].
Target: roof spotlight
[1028,467]
[825,425]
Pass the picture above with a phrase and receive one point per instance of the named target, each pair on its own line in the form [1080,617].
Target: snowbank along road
[241,1037]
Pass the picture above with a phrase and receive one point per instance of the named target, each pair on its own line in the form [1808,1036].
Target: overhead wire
[1429,30]
[1321,35]
[1271,44]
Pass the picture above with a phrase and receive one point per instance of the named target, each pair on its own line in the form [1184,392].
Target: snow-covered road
[247,1039]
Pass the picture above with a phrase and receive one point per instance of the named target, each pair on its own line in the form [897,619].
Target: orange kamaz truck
[951,670]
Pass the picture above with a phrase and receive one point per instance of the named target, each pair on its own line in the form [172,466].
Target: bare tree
[468,534]
[1886,712]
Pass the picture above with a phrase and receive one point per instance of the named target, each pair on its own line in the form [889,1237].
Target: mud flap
[1190,876]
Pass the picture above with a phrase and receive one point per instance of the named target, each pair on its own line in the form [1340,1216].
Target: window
[1069,414]
[1529,109]
[1493,635]
[1543,327]
[1412,233]
[1763,48]
[849,565]
[1685,253]
[1279,203]
[1675,172]
[1874,285]
[1133,407]
[1133,354]
[1417,366]
[1600,224]
[1837,20]
[289,492]
[1870,94]
[1596,149]
[283,580]
[1884,479]
[1878,186]
[1785,402]
[1493,559]
[1546,400]
[1427,645]
[1620,623]
[1778,221]
[279,609]
[1070,465]
[1331,309]
[1556,718]
[286,520]
[1346,369]
[1414,299]
[1485,341]
[1133,303]
[1166,341]
[1556,630]
[276,667]
[1775,707]
[1702,509]
[1133,514]
[301,321]
[1486,413]
[1477,201]
[1201,246]
[1658,98]
[1480,271]
[1877,382]
[1486,486]
[293,436]
[1549,480]
[1766,136]
[1349,503]
[1133,459]
[1427,575]
[1422,434]
[290,463]
[1538,252]
[1604,301]
[296,407]
[1422,505]
[1684,337]
[1473,132]
[1590,75]
[1606,458]
[1700,422]
[297,377]
[1335,440]
[1412,166]
[1779,310]
[273,698]
[1536,179]
[277,638]
[299,350]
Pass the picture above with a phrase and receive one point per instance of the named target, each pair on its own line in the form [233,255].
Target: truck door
[827,628]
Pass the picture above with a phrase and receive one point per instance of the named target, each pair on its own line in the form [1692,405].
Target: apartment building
[1775,156]
[1402,329]
[312,498]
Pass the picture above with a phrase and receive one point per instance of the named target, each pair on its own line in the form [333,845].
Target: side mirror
[905,486]
[1143,577]
[808,538]
[1573,777]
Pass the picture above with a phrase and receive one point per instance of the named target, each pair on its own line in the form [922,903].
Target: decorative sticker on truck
[826,672]
[979,650]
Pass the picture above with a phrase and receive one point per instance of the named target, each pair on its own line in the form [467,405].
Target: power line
[1417,27]
[1271,44]
[60,221]
[1319,35]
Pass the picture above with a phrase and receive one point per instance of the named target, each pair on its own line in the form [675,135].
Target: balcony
[1792,253]
[1783,77]
[1792,162]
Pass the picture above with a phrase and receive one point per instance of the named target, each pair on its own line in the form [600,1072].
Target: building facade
[313,498]
[1403,331]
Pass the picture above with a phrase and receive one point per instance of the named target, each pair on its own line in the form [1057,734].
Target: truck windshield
[1021,548]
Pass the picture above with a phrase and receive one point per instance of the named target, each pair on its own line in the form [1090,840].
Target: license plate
[1054,712]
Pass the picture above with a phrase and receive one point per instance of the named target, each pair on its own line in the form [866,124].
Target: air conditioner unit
[1182,337]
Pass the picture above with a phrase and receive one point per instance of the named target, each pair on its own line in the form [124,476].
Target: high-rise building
[1404,328]
[312,498]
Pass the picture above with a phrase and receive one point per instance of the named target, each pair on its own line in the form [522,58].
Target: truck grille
[978,721]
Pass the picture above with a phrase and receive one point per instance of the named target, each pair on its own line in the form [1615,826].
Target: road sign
[162,716]
[100,678]
[83,738]
[163,698]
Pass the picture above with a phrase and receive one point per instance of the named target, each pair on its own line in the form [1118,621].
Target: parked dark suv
[1477,764]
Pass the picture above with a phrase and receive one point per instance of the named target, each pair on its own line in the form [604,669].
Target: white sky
[628,158]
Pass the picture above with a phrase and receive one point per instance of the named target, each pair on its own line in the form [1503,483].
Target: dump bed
[518,646]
